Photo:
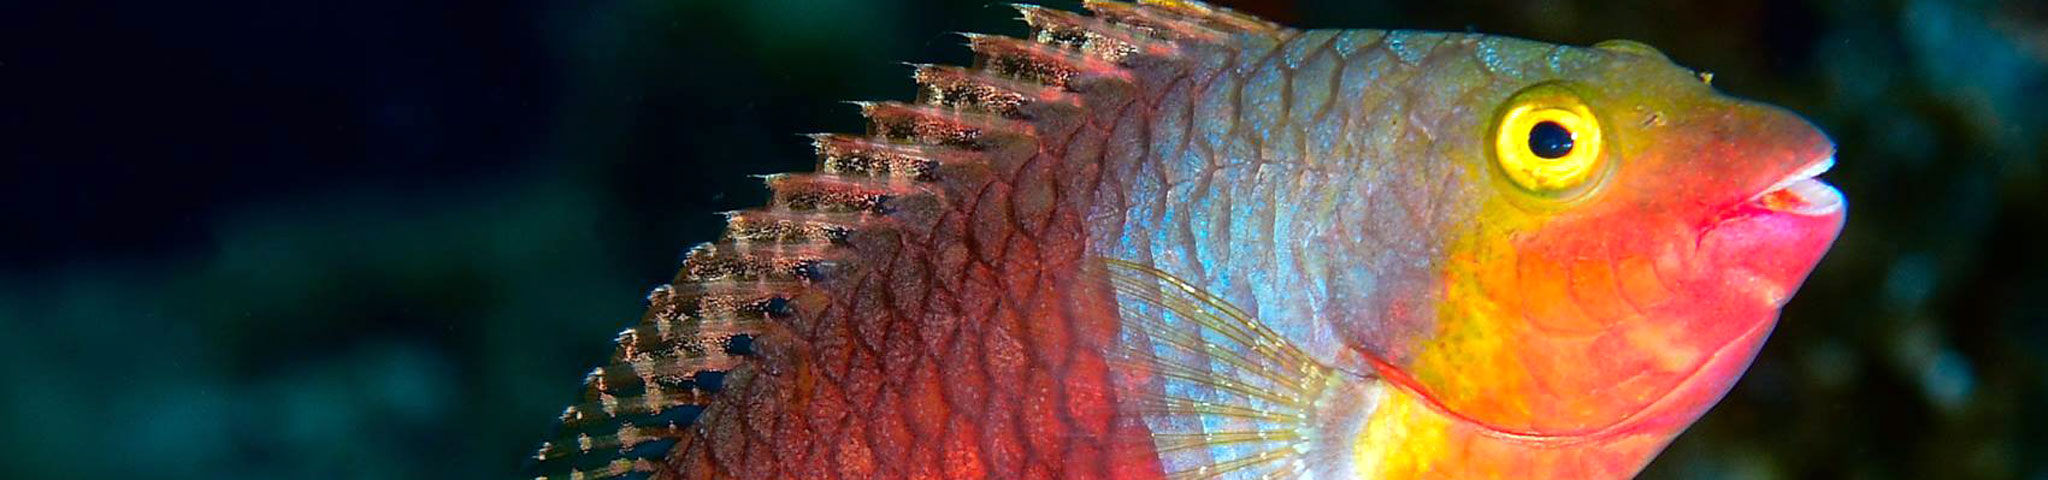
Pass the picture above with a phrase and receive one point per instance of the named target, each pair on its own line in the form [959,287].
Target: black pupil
[1550,140]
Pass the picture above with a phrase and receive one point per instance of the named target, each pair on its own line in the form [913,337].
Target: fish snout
[1784,217]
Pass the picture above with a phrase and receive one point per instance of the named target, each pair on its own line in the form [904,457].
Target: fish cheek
[1550,298]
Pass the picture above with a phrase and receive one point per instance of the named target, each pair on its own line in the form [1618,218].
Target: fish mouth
[1802,192]
[1771,241]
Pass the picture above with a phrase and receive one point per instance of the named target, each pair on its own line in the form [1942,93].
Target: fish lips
[1768,244]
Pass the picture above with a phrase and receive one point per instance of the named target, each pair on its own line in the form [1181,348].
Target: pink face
[1633,303]
[1719,206]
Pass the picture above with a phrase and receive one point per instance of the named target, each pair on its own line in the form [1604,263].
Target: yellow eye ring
[1547,141]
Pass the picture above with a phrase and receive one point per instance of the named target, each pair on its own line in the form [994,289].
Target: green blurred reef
[385,239]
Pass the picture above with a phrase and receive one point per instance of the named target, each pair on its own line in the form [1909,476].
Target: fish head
[1719,192]
[1637,233]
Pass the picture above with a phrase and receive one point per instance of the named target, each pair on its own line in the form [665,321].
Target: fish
[1164,239]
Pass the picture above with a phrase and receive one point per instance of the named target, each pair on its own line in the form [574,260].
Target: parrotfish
[1168,240]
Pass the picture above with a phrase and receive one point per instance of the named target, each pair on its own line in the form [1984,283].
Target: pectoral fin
[1223,395]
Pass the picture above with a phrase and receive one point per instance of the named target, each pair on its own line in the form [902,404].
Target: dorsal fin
[977,91]
[1093,37]
[1048,64]
[728,295]
[661,375]
[857,156]
[1180,19]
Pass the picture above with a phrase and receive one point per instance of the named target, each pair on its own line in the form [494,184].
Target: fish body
[1167,240]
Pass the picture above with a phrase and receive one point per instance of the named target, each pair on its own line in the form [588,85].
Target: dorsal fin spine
[713,262]
[1092,36]
[1179,19]
[1223,18]
[858,156]
[768,226]
[933,125]
[1028,60]
[827,193]
[1151,22]
[981,92]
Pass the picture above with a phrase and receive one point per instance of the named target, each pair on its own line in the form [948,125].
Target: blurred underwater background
[385,239]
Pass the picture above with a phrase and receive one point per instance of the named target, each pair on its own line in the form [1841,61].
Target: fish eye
[1550,140]
[1546,141]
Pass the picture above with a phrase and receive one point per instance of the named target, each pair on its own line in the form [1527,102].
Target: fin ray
[1223,395]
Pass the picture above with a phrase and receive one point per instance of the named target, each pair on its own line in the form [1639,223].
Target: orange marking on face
[1548,298]
[1595,288]
[1640,283]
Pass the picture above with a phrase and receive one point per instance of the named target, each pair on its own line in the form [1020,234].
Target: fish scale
[938,240]
[1167,240]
